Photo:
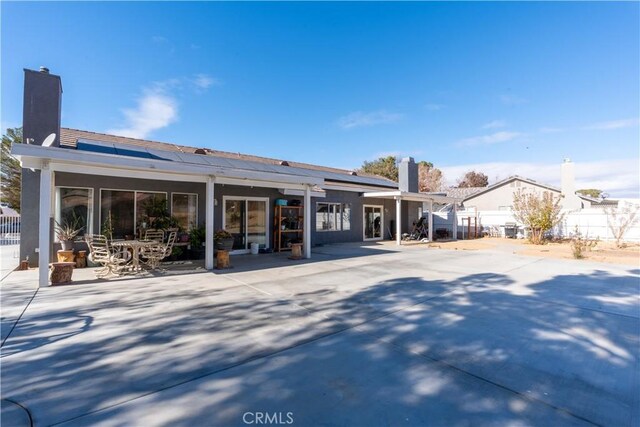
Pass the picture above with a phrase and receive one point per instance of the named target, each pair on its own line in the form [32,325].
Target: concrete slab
[359,336]
[347,379]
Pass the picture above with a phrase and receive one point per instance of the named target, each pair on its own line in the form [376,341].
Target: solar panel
[202,159]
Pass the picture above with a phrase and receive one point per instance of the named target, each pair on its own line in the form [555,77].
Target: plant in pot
[197,236]
[67,232]
[223,239]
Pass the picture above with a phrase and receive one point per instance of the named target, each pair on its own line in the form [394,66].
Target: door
[246,218]
[373,222]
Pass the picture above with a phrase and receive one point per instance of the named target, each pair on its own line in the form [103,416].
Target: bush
[580,245]
[540,213]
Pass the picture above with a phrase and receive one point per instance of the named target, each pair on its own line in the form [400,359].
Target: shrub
[580,245]
[540,213]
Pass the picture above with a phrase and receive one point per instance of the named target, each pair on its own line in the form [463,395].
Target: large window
[185,208]
[117,208]
[333,216]
[123,211]
[75,206]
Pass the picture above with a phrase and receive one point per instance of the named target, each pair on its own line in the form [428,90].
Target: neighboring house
[94,176]
[499,196]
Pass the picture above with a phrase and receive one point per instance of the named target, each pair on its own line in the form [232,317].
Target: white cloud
[613,124]
[512,100]
[155,110]
[434,107]
[618,177]
[494,138]
[159,39]
[365,119]
[204,81]
[494,124]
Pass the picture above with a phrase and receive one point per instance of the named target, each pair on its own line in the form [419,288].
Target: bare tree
[620,219]
[539,212]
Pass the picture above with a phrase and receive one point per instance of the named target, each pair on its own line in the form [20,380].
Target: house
[499,196]
[98,177]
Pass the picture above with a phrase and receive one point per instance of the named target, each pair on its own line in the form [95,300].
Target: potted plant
[197,235]
[67,231]
[107,226]
[224,240]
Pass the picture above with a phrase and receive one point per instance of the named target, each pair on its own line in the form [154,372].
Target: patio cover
[399,196]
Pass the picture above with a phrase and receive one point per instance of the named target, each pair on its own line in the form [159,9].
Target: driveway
[362,336]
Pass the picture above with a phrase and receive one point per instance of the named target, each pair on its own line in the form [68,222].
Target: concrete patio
[358,335]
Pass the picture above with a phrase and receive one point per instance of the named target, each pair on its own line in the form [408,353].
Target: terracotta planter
[66,256]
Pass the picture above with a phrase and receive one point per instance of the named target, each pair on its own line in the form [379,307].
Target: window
[123,211]
[117,208]
[75,205]
[333,216]
[150,205]
[185,208]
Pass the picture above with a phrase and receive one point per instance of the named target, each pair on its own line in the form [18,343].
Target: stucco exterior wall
[500,198]
[29,235]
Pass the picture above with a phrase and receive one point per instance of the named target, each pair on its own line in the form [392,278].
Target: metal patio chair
[102,253]
[157,235]
[155,254]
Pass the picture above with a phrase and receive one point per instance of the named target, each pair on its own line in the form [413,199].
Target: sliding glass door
[373,222]
[247,219]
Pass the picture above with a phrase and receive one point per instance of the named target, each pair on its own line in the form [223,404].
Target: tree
[429,177]
[384,166]
[620,219]
[540,213]
[591,192]
[11,172]
[473,179]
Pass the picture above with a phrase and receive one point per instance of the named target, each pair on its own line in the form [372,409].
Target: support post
[398,218]
[307,222]
[455,220]
[44,226]
[430,220]
[209,218]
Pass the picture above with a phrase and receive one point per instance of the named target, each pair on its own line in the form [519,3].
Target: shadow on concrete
[473,350]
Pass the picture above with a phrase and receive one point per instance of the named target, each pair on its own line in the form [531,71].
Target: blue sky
[506,88]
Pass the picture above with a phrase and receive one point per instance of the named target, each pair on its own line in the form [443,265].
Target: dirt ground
[603,252]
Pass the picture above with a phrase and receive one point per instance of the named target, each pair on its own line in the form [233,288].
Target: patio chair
[155,254]
[103,254]
[157,235]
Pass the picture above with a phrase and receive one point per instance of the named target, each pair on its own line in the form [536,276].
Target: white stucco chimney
[568,186]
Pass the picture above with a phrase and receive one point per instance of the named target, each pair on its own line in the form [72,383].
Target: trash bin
[255,248]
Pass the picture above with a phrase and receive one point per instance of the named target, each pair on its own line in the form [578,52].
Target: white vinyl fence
[592,223]
[9,230]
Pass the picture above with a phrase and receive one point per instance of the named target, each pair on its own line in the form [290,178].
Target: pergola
[399,196]
[49,160]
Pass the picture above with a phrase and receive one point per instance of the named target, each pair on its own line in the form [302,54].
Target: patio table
[135,246]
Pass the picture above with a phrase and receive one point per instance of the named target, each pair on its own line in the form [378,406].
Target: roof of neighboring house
[463,193]
[69,138]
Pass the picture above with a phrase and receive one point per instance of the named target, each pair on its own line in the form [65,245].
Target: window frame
[135,203]
[197,206]
[58,202]
[338,217]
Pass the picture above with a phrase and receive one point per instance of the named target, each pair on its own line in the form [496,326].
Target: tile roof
[69,138]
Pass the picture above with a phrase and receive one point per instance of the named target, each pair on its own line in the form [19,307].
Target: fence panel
[9,230]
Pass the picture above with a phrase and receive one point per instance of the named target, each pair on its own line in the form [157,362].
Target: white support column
[44,231]
[307,222]
[455,221]
[398,218]
[209,218]
[431,220]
